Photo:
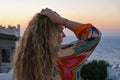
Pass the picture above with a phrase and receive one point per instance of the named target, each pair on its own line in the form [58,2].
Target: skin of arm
[56,18]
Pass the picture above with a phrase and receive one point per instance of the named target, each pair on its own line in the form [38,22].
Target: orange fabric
[80,28]
[68,66]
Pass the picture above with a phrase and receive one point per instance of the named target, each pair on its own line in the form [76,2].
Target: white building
[8,38]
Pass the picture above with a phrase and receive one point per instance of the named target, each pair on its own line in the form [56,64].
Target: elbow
[95,32]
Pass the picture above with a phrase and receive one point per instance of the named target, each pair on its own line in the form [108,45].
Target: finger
[42,10]
[47,9]
[42,13]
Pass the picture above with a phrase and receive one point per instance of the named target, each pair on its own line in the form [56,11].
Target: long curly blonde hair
[36,52]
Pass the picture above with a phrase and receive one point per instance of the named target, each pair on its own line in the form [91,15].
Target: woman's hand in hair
[55,17]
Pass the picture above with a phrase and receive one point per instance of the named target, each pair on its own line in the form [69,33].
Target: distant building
[8,38]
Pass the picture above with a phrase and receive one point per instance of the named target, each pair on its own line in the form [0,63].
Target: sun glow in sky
[104,14]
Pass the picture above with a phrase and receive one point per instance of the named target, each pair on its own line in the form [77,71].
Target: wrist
[63,21]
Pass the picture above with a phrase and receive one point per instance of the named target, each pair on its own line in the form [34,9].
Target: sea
[108,49]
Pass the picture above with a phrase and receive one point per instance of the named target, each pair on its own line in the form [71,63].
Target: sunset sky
[104,14]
